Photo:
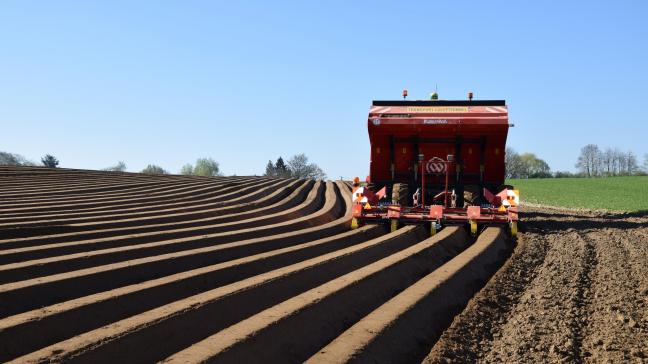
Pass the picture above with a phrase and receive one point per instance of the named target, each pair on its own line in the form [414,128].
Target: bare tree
[623,163]
[608,161]
[270,170]
[597,167]
[119,167]
[299,167]
[11,159]
[8,159]
[616,161]
[632,163]
[611,162]
[588,159]
[645,163]
[513,164]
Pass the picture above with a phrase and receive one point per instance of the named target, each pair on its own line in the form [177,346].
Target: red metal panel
[436,211]
[474,212]
[403,156]
[438,122]
[393,212]
[379,166]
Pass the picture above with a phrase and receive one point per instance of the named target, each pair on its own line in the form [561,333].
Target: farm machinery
[437,162]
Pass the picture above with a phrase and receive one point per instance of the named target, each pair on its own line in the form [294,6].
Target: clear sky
[166,82]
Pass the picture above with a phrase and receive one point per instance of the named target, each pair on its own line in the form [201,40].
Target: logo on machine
[435,165]
[376,121]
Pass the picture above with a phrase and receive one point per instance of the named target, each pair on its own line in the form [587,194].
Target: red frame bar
[447,215]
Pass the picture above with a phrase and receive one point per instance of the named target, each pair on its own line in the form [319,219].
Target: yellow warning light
[367,206]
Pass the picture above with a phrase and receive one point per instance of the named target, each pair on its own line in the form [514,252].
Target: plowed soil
[122,267]
[575,290]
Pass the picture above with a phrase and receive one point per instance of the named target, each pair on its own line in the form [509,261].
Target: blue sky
[242,82]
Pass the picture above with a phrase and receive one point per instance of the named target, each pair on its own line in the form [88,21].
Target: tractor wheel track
[110,266]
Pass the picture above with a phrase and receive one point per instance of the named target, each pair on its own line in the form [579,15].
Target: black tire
[470,198]
[400,194]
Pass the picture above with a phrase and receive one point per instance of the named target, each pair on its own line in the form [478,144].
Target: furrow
[405,328]
[181,322]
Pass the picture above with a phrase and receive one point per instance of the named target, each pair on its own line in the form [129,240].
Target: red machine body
[475,135]
[438,148]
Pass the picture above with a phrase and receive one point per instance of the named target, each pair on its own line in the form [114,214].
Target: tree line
[525,165]
[297,167]
[595,162]
[592,162]
[12,159]
[207,167]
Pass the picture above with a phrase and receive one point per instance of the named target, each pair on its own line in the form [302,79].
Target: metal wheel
[393,225]
[433,229]
[514,229]
[354,223]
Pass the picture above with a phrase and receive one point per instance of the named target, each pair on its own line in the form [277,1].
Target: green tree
[526,165]
[535,167]
[206,167]
[154,169]
[187,169]
[565,174]
[50,161]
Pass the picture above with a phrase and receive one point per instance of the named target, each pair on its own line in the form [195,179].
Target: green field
[613,193]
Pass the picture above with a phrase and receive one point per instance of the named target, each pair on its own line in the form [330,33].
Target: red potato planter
[442,163]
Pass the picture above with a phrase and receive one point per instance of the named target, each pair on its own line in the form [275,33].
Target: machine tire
[400,194]
[471,195]
[470,198]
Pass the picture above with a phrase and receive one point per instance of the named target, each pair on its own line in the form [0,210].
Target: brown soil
[575,290]
[120,267]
